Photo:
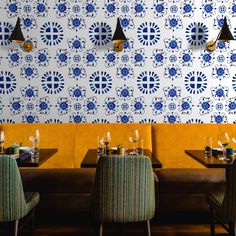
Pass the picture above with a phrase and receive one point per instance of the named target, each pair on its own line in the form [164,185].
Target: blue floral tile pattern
[163,75]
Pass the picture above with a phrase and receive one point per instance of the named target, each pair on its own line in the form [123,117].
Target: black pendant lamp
[118,37]
[224,35]
[18,37]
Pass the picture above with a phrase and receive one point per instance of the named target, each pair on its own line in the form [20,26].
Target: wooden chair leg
[16,223]
[212,221]
[148,228]
[231,228]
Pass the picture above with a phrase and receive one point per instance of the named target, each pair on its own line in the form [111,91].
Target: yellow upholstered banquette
[167,141]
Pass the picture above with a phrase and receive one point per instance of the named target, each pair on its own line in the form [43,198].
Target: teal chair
[124,190]
[14,203]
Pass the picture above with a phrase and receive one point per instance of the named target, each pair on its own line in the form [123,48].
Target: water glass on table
[106,139]
[134,140]
[208,146]
[140,147]
[224,142]
[2,139]
[100,146]
[35,143]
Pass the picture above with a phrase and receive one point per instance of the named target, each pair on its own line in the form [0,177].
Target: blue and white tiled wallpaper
[164,74]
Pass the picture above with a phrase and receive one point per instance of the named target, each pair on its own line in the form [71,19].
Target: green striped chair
[124,190]
[14,203]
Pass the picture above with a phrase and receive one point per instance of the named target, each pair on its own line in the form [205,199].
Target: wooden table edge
[205,164]
[188,152]
[30,164]
[155,162]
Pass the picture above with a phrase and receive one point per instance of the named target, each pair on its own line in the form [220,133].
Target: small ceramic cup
[229,152]
[15,148]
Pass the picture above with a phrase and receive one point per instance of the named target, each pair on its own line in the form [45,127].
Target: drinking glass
[35,142]
[134,139]
[2,139]
[1,147]
[208,146]
[105,140]
[140,146]
[100,146]
[233,138]
[223,141]
[37,139]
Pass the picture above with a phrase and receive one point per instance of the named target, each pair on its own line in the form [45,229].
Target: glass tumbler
[100,146]
[2,139]
[208,146]
[140,146]
[1,147]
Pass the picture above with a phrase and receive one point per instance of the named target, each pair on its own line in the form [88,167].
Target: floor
[160,230]
[162,225]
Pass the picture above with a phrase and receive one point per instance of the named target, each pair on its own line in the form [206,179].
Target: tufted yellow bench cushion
[170,140]
[167,141]
[73,140]
[61,136]
[86,136]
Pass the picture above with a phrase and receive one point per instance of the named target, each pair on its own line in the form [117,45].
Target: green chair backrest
[12,199]
[124,189]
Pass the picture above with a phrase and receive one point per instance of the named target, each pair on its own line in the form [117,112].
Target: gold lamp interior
[118,37]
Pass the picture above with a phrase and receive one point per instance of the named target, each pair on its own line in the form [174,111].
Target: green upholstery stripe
[13,205]
[124,189]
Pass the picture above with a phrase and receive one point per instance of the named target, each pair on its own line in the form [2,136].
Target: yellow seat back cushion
[86,136]
[61,136]
[171,140]
[168,141]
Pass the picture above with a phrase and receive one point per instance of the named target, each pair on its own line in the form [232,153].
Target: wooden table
[90,160]
[35,161]
[213,162]
[209,162]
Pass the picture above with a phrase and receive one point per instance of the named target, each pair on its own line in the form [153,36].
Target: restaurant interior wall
[164,74]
